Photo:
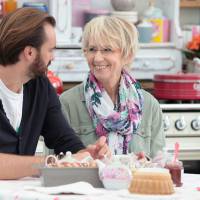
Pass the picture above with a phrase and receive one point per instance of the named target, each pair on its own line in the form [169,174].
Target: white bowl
[115,176]
[114,184]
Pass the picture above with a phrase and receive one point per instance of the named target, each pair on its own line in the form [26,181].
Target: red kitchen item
[55,81]
[9,6]
[177,86]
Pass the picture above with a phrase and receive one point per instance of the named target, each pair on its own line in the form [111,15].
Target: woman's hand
[99,150]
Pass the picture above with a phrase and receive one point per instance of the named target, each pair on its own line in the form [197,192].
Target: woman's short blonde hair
[114,32]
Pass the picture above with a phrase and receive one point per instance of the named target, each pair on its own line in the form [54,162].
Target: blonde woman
[110,101]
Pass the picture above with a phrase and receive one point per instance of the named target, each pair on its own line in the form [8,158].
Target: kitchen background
[165,27]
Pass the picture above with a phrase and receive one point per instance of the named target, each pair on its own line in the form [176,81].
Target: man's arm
[14,166]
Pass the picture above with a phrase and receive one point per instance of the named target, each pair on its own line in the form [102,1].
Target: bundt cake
[151,181]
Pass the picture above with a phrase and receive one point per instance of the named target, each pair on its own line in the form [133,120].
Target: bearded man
[29,106]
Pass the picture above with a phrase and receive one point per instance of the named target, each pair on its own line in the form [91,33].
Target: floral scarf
[117,124]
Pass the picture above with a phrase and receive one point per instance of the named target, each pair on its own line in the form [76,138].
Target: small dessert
[134,161]
[151,181]
[175,169]
[115,176]
[70,160]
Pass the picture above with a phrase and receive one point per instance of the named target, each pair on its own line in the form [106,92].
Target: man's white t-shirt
[12,104]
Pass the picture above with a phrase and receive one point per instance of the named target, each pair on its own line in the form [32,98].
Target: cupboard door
[189,3]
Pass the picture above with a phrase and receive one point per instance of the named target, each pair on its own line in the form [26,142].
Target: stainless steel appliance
[182,124]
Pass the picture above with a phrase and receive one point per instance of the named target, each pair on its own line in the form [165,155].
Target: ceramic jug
[146,31]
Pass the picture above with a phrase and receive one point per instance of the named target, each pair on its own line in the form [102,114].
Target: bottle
[9,6]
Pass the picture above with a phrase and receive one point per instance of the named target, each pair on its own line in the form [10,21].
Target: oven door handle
[186,150]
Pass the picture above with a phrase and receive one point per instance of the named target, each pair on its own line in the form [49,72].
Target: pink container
[161,30]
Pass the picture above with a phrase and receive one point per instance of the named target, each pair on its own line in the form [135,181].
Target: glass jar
[9,6]
[176,171]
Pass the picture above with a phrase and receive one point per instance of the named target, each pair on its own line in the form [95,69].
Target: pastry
[151,181]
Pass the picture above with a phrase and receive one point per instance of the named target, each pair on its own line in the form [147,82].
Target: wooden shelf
[190,3]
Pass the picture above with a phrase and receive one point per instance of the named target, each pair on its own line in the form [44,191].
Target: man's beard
[38,67]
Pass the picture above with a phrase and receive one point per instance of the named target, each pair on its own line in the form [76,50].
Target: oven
[182,124]
[179,95]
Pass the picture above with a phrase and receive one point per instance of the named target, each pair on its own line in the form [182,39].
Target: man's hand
[99,150]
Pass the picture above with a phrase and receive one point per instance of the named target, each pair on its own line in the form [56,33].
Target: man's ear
[30,53]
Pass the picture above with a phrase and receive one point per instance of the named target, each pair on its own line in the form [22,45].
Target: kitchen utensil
[176,151]
[60,176]
[55,81]
[177,86]
[115,176]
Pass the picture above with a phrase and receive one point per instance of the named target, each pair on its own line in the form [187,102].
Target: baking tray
[60,176]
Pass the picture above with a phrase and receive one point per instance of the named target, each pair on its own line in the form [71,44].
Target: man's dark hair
[21,28]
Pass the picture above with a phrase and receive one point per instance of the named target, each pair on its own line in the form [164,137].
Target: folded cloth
[74,188]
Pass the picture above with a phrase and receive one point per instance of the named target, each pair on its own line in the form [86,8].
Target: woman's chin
[104,80]
[102,76]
